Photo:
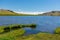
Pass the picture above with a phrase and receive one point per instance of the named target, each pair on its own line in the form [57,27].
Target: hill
[7,12]
[12,13]
[52,13]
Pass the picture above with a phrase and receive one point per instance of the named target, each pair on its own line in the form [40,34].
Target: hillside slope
[7,12]
[52,13]
[12,13]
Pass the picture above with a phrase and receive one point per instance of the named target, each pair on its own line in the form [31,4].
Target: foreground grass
[12,34]
[15,27]
[16,33]
[40,36]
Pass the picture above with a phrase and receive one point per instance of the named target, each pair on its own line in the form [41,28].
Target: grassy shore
[15,32]
[17,35]
[41,36]
[12,34]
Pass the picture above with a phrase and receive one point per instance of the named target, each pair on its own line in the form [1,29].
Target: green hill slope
[11,13]
[7,13]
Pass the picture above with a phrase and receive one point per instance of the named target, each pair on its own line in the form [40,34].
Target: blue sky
[30,5]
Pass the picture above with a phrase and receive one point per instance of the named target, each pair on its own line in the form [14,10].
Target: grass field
[12,34]
[40,36]
[18,34]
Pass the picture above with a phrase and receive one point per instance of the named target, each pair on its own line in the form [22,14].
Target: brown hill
[52,13]
[7,12]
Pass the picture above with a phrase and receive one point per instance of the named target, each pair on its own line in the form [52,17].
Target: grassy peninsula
[16,32]
[11,32]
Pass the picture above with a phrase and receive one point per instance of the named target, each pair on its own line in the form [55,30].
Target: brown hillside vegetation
[52,13]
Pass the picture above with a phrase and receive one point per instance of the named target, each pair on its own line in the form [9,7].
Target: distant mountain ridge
[52,13]
[7,12]
[12,13]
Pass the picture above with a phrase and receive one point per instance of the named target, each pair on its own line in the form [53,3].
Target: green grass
[7,33]
[17,34]
[12,34]
[40,36]
[15,27]
[57,30]
[1,29]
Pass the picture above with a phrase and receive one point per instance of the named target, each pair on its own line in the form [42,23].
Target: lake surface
[44,23]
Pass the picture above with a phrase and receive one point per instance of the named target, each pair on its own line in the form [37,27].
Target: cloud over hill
[32,13]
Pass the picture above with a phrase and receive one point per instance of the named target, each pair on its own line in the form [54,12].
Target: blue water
[44,23]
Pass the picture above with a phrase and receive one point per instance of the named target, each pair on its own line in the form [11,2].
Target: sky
[30,5]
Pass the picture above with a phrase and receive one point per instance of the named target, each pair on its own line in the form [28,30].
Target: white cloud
[22,12]
[32,13]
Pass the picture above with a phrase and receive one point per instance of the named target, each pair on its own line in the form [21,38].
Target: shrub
[57,30]
[1,29]
[6,29]
[12,35]
[15,27]
[33,25]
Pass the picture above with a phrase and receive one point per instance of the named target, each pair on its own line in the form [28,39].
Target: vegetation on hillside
[52,13]
[12,13]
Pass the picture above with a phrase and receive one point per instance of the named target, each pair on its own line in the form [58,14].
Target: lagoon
[44,23]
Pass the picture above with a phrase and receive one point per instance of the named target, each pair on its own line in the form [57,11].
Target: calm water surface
[44,23]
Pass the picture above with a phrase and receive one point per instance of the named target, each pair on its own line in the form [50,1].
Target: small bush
[1,29]
[33,26]
[15,27]
[57,30]
[6,29]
